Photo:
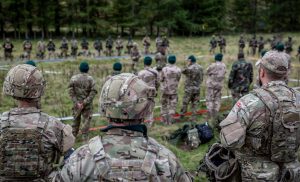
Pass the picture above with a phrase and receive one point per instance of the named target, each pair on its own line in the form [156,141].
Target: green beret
[30,62]
[147,60]
[280,47]
[219,57]
[84,67]
[192,58]
[172,59]
[117,66]
[263,53]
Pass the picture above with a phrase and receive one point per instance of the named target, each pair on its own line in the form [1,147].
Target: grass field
[56,101]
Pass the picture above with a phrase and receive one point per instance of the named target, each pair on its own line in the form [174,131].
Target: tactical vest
[116,169]
[283,104]
[22,155]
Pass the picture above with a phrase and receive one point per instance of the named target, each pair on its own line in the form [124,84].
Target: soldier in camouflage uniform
[64,48]
[146,43]
[214,83]
[41,49]
[51,49]
[274,42]
[169,78]
[27,47]
[135,56]
[213,44]
[240,78]
[161,61]
[109,46]
[98,46]
[158,43]
[289,45]
[74,47]
[85,47]
[263,129]
[82,91]
[241,44]
[124,152]
[261,44]
[151,77]
[117,69]
[194,77]
[8,48]
[253,45]
[129,45]
[222,44]
[280,48]
[31,141]
[119,45]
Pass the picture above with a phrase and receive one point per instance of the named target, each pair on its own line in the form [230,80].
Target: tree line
[38,18]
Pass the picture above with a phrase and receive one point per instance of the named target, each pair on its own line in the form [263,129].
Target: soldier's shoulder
[250,102]
[75,77]
[163,152]
[52,121]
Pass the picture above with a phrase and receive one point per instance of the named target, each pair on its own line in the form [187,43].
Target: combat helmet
[126,97]
[24,81]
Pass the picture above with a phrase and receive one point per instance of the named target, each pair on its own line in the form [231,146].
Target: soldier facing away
[129,45]
[41,49]
[240,78]
[261,44]
[51,49]
[169,78]
[214,83]
[289,45]
[27,47]
[98,46]
[222,44]
[146,43]
[64,48]
[74,47]
[8,48]
[241,44]
[253,45]
[263,129]
[125,152]
[82,91]
[109,46]
[135,56]
[119,45]
[194,77]
[117,69]
[31,141]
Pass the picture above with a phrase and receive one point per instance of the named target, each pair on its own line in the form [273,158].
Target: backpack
[205,132]
[193,138]
[284,122]
[21,152]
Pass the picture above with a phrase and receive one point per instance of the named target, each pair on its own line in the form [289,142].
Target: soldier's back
[194,77]
[215,75]
[82,84]
[149,76]
[170,76]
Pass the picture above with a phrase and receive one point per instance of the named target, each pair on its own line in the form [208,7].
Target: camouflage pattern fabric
[41,48]
[146,43]
[241,44]
[251,132]
[253,46]
[74,47]
[85,45]
[161,61]
[240,78]
[119,46]
[261,45]
[27,47]
[122,155]
[213,44]
[135,56]
[8,48]
[150,76]
[129,46]
[288,46]
[64,48]
[194,77]
[51,49]
[109,46]
[98,47]
[40,140]
[222,44]
[82,90]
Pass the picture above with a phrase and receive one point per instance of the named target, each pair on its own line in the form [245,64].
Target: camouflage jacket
[241,74]
[119,44]
[222,41]
[8,46]
[82,88]
[74,44]
[122,155]
[253,43]
[194,77]
[135,54]
[41,46]
[51,46]
[98,45]
[114,73]
[149,76]
[213,43]
[169,78]
[241,43]
[57,138]
[27,45]
[215,75]
[146,41]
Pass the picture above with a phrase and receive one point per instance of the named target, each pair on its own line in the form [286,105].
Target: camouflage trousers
[86,114]
[134,65]
[119,51]
[109,51]
[213,103]
[192,98]
[51,54]
[239,92]
[146,49]
[64,52]
[8,55]
[168,107]
[222,49]
[253,51]
[241,49]
[212,50]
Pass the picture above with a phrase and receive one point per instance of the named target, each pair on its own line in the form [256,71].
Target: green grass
[56,101]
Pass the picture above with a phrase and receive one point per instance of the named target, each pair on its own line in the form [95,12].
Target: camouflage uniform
[41,49]
[135,56]
[274,42]
[213,44]
[129,45]
[74,48]
[124,153]
[240,78]
[64,48]
[85,48]
[158,43]
[146,43]
[51,49]
[119,45]
[214,84]
[27,47]
[31,141]
[289,45]
[253,45]
[109,46]
[169,78]
[261,44]
[98,46]
[161,61]
[194,77]
[82,90]
[222,44]
[8,48]
[241,44]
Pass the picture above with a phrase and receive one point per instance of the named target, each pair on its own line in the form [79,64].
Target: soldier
[169,78]
[262,129]
[98,46]
[241,44]
[158,43]
[117,69]
[161,61]
[85,47]
[222,44]
[240,78]
[165,44]
[146,43]
[253,45]
[261,44]
[27,47]
[119,45]
[82,92]
[125,152]
[280,49]
[129,45]
[135,56]
[194,77]
[274,42]
[8,48]
[214,83]
[51,49]
[109,46]
[298,53]
[74,47]
[41,49]
[64,48]
[31,141]
[213,44]
[151,77]
[289,45]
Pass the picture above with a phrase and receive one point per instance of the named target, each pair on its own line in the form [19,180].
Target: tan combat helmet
[126,97]
[24,81]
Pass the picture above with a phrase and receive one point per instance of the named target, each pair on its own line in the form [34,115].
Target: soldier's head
[273,66]
[117,66]
[24,83]
[240,56]
[147,61]
[84,67]
[126,100]
[191,59]
[172,59]
[279,47]
[213,36]
[218,57]
[30,62]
